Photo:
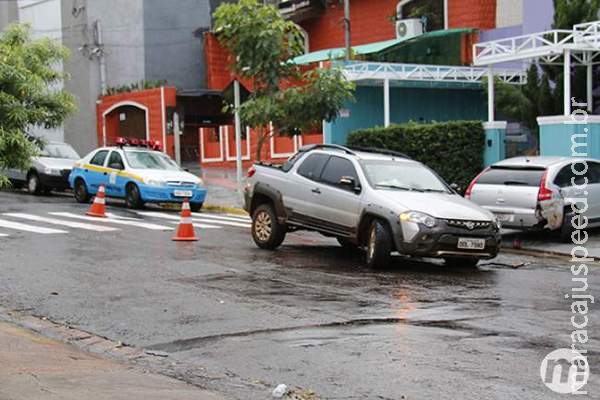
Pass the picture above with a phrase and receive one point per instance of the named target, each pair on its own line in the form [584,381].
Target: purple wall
[537,17]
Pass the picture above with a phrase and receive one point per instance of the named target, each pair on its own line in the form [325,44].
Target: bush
[453,149]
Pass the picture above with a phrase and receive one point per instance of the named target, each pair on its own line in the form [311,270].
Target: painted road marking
[117,221]
[28,228]
[70,224]
[3,235]
[221,217]
[196,219]
[173,218]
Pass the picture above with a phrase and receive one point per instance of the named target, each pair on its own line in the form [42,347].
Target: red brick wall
[472,14]
[148,98]
[370,22]
[217,63]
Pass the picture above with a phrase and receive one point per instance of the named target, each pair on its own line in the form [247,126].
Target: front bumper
[166,194]
[442,241]
[60,182]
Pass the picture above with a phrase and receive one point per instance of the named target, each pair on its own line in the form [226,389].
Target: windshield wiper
[434,190]
[411,189]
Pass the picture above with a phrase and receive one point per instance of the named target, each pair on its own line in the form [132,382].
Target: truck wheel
[464,262]
[33,184]
[133,198]
[81,193]
[379,245]
[267,232]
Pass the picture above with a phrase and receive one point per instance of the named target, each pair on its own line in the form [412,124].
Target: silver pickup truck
[376,199]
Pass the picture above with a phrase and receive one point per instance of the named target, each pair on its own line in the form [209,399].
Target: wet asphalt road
[239,320]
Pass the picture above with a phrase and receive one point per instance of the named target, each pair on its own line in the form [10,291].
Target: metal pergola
[385,73]
[578,46]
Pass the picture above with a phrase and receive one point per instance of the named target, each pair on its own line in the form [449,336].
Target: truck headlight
[154,182]
[496,223]
[52,171]
[418,218]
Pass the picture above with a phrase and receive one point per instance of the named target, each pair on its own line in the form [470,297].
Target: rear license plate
[505,217]
[471,244]
[183,193]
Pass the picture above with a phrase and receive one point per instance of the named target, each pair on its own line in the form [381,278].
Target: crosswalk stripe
[220,222]
[113,220]
[220,217]
[197,225]
[243,217]
[173,218]
[28,228]
[70,224]
[3,235]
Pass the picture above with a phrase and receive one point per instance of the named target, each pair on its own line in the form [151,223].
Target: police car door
[115,186]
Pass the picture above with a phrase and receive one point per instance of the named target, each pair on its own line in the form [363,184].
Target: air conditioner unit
[407,28]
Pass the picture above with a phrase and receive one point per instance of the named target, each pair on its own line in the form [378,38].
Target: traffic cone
[185,229]
[98,208]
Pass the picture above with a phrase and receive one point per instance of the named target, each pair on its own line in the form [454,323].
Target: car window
[114,160]
[566,177]
[59,150]
[401,175]
[512,176]
[336,168]
[313,165]
[99,158]
[150,160]
[291,161]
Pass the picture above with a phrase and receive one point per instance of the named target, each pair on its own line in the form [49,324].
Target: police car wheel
[81,192]
[133,199]
[195,207]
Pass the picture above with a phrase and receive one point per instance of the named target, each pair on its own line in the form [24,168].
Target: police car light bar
[135,142]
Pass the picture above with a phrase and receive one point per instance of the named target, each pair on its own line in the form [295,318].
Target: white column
[386,102]
[567,82]
[590,87]
[176,138]
[446,14]
[238,132]
[491,95]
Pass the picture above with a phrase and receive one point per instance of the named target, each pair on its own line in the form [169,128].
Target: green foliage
[135,87]
[262,44]
[28,94]
[453,149]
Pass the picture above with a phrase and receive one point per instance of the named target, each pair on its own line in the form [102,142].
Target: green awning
[371,48]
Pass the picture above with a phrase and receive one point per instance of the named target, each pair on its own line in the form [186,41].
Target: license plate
[471,244]
[183,193]
[505,217]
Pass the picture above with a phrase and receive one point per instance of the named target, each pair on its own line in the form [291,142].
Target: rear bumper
[442,241]
[158,194]
[517,218]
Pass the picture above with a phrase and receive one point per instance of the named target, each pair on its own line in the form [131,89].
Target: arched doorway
[125,119]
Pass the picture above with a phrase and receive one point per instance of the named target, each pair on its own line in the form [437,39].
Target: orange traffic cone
[185,229]
[98,208]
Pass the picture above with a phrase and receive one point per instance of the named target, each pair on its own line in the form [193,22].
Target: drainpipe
[347,27]
[99,50]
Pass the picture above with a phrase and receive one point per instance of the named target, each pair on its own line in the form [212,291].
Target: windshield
[150,160]
[59,150]
[401,175]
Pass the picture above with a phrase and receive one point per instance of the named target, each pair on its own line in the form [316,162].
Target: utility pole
[347,27]
[238,133]
[176,138]
[98,51]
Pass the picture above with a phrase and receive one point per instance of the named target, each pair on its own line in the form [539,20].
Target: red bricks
[479,14]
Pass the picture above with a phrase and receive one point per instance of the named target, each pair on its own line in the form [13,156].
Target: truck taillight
[469,190]
[544,193]
[251,172]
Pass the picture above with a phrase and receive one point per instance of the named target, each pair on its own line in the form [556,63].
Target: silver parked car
[380,200]
[537,192]
[50,170]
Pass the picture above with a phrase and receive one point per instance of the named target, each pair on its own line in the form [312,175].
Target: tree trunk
[259,144]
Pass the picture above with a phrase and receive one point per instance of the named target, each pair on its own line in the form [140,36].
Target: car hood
[162,175]
[56,163]
[438,205]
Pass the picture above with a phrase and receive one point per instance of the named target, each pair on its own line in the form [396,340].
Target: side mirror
[455,187]
[116,166]
[349,183]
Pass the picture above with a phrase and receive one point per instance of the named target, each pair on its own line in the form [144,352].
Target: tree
[262,44]
[28,94]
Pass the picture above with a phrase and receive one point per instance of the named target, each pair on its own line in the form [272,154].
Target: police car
[136,172]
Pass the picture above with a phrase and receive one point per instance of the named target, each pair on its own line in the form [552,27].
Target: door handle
[316,190]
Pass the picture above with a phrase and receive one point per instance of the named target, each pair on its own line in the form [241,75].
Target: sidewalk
[34,367]
[222,186]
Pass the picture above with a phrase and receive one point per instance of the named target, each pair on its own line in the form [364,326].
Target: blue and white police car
[137,174]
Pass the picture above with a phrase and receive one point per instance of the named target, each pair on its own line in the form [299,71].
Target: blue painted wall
[407,104]
[555,140]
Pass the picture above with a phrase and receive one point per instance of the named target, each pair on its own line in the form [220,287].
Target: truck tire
[379,245]
[267,232]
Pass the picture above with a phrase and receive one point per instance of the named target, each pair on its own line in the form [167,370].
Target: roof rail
[326,146]
[379,151]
